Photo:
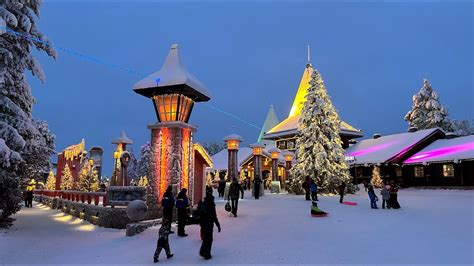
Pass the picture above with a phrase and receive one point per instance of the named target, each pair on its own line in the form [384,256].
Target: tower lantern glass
[274,152]
[233,141]
[257,148]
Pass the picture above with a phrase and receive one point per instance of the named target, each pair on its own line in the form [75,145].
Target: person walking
[168,204]
[208,218]
[221,187]
[163,242]
[182,205]
[305,186]
[385,193]
[314,190]
[373,198]
[342,189]
[256,186]
[235,189]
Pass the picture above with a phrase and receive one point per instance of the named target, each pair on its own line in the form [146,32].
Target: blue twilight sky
[373,57]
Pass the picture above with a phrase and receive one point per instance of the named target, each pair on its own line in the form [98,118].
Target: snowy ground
[433,226]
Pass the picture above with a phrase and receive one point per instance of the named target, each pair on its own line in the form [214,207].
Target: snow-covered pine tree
[66,179]
[319,152]
[25,143]
[132,169]
[376,180]
[463,127]
[88,178]
[51,182]
[427,111]
[144,163]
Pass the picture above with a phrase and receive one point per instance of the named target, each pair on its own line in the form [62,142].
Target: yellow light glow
[75,221]
[257,150]
[86,227]
[288,158]
[233,144]
[64,219]
[300,97]
[58,214]
[274,155]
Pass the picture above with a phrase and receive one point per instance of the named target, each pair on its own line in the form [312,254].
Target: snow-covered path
[433,226]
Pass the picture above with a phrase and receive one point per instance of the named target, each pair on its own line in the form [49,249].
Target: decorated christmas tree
[66,179]
[427,111]
[319,152]
[376,180]
[143,181]
[51,182]
[88,178]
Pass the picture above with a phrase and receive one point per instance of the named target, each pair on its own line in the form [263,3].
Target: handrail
[76,196]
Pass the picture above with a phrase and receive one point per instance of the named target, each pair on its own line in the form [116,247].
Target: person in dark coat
[313,188]
[256,186]
[182,205]
[385,193]
[373,198]
[342,189]
[235,189]
[168,204]
[163,242]
[221,187]
[306,188]
[394,196]
[207,221]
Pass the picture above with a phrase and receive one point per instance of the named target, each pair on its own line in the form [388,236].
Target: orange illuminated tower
[173,91]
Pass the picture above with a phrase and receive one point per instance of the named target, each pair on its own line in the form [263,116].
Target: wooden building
[73,157]
[202,161]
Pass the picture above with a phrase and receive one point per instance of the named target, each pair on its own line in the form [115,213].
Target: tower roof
[270,121]
[122,139]
[171,78]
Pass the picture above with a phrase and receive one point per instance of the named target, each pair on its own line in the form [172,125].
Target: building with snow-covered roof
[284,133]
[445,162]
[387,153]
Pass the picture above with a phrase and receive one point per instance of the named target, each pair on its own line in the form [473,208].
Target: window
[419,171]
[448,170]
[281,145]
[398,171]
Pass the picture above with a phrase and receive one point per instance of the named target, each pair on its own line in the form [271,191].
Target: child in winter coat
[313,188]
[316,211]
[373,198]
[163,242]
[385,196]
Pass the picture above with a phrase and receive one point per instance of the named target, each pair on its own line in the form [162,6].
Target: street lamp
[274,153]
[232,161]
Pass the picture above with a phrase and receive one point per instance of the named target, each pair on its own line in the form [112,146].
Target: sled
[320,214]
[350,203]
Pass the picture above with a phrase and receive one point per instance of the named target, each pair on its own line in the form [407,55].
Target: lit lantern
[288,156]
[257,148]
[233,141]
[232,160]
[173,92]
[274,152]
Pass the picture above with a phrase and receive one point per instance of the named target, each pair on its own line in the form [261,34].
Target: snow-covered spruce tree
[132,169]
[462,127]
[88,178]
[214,147]
[144,163]
[66,179]
[319,152]
[427,111]
[376,180]
[51,182]
[25,144]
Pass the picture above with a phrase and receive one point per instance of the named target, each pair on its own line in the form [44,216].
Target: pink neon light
[372,149]
[441,152]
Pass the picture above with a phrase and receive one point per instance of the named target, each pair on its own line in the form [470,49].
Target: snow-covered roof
[173,77]
[233,137]
[386,148]
[122,139]
[220,159]
[270,122]
[442,150]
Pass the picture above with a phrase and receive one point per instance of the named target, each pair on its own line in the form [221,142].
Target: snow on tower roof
[387,148]
[270,122]
[245,153]
[122,139]
[171,77]
[442,150]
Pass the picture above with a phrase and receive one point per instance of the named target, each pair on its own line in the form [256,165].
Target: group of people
[207,217]
[389,195]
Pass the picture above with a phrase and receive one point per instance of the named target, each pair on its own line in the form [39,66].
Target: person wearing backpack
[208,214]
[342,189]
[168,204]
[314,190]
[182,205]
[234,192]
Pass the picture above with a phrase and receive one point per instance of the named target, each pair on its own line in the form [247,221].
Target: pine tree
[88,178]
[66,179]
[132,168]
[427,111]
[376,180]
[319,152]
[51,182]
[214,147]
[25,143]
[144,163]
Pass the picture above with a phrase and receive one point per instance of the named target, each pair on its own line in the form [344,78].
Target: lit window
[448,170]
[419,171]
[173,107]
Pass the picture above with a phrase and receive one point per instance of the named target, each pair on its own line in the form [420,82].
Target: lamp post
[257,150]
[121,142]
[288,161]
[232,141]
[274,153]
[173,92]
